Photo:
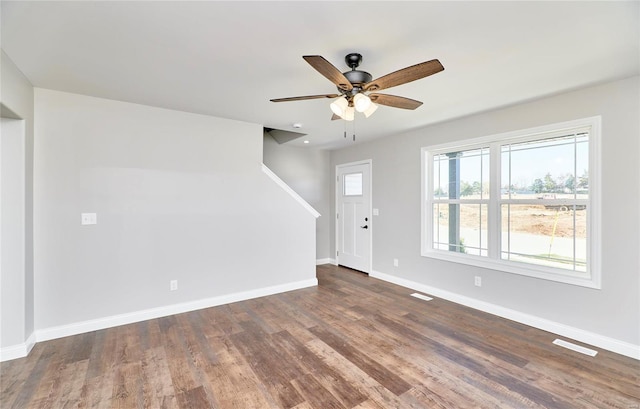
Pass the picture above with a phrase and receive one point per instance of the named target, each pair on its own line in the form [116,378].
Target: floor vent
[421,296]
[575,347]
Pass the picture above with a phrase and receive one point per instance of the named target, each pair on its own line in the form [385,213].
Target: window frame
[592,277]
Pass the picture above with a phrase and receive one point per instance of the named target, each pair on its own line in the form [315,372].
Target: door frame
[337,192]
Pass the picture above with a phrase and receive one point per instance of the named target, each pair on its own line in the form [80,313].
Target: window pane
[460,228]
[474,174]
[548,168]
[581,239]
[353,184]
[461,175]
[549,236]
[473,229]
[441,226]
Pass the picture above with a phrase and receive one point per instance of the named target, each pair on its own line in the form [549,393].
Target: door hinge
[337,178]
[337,253]
[337,215]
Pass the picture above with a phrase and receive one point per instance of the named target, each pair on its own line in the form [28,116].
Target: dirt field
[532,219]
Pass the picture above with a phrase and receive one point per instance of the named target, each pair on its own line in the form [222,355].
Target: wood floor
[352,342]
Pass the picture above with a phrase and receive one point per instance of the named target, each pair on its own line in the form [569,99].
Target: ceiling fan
[356,88]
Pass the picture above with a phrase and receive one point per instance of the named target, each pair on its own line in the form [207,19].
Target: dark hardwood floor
[352,342]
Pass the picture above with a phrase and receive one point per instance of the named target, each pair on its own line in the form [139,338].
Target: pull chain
[354,128]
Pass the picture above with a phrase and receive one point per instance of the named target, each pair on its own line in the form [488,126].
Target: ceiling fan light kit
[339,106]
[361,102]
[372,108]
[349,114]
[356,87]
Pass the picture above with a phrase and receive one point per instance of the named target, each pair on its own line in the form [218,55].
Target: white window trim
[592,278]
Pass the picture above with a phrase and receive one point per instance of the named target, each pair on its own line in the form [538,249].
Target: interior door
[353,207]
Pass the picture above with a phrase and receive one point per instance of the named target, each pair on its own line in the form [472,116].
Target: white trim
[152,313]
[556,129]
[19,350]
[587,337]
[326,261]
[371,223]
[290,191]
[593,277]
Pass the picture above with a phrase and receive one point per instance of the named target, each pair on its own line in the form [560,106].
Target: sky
[528,162]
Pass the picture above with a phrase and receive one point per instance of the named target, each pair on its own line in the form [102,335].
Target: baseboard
[591,338]
[325,261]
[137,316]
[19,350]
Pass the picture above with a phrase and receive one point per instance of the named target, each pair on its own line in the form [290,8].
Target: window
[524,202]
[460,201]
[353,184]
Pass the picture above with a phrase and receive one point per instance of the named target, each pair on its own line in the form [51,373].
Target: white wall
[12,232]
[16,277]
[611,314]
[178,196]
[307,171]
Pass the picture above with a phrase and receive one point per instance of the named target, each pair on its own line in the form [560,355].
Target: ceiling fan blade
[405,75]
[327,69]
[395,101]
[305,97]
[334,117]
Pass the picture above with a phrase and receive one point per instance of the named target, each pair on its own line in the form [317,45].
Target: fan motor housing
[358,77]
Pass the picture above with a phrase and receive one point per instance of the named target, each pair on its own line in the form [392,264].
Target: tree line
[560,184]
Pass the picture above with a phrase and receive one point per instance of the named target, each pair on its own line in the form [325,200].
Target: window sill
[566,277]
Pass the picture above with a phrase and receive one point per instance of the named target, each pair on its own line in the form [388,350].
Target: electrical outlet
[478,281]
[88,218]
[395,262]
[173,285]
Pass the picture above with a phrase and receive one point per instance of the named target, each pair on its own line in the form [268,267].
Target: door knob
[364,227]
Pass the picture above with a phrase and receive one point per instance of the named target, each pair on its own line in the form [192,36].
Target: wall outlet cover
[88,218]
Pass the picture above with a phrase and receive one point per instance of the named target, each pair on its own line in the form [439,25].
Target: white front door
[353,208]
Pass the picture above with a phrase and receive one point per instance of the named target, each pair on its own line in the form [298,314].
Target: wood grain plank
[194,398]
[315,394]
[376,392]
[388,379]
[157,383]
[127,386]
[346,392]
[267,362]
[233,381]
[97,391]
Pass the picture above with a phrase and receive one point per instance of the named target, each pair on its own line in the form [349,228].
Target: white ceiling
[228,59]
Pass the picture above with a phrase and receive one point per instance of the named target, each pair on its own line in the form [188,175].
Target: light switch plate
[376,212]
[89,218]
